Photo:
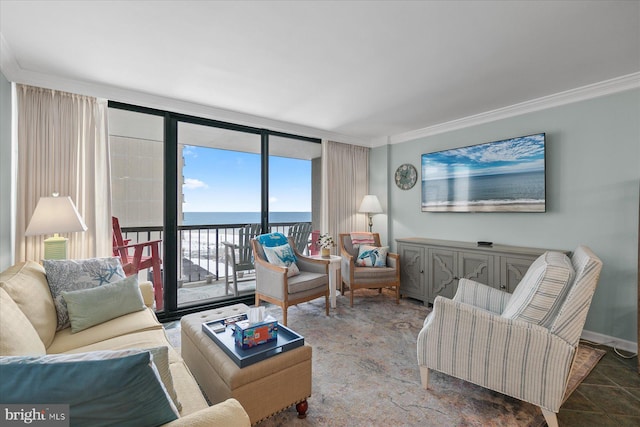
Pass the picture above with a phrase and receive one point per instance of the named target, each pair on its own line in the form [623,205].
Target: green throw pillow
[89,307]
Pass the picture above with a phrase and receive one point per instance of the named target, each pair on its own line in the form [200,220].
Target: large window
[198,185]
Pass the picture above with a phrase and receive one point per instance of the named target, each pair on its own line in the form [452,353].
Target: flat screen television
[499,176]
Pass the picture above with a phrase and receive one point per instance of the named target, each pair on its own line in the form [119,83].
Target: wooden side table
[334,275]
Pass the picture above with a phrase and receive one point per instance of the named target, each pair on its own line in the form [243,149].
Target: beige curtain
[63,148]
[345,182]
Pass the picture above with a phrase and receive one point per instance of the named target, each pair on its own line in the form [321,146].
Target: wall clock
[406,176]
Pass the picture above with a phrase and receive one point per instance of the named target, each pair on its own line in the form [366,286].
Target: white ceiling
[364,70]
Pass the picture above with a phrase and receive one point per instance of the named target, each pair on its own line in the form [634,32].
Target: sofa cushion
[187,388]
[540,293]
[90,307]
[17,335]
[109,388]
[154,341]
[138,321]
[71,275]
[27,285]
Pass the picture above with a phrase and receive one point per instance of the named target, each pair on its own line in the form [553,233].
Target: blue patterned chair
[283,283]
[522,345]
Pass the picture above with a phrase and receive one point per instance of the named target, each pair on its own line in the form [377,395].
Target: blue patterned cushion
[270,240]
[72,275]
[282,256]
[89,307]
[102,388]
[371,256]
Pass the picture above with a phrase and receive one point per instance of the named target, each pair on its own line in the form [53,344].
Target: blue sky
[522,154]
[229,181]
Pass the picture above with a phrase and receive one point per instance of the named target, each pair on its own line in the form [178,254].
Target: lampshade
[55,215]
[370,204]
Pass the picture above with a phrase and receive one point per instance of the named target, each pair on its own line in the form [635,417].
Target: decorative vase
[325,252]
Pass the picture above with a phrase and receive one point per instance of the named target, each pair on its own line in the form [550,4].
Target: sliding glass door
[219,173]
[294,188]
[137,186]
[205,188]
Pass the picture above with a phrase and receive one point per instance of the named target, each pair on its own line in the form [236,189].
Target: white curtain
[345,182]
[63,148]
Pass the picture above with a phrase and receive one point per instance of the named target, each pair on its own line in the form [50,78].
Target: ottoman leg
[302,409]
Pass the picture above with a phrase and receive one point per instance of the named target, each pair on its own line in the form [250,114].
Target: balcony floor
[215,291]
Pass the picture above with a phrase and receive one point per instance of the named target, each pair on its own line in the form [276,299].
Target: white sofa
[28,327]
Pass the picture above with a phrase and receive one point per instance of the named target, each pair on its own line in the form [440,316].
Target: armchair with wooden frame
[273,285]
[133,263]
[355,277]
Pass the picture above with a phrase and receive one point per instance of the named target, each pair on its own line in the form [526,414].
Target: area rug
[586,359]
[365,371]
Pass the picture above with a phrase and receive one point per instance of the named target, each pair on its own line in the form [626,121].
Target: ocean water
[525,187]
[203,218]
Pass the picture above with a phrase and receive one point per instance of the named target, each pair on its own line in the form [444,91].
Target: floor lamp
[55,215]
[370,205]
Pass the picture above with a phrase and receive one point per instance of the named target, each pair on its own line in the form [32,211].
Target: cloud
[189,151]
[273,200]
[193,184]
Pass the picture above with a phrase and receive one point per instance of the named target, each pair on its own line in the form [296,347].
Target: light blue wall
[593,185]
[6,252]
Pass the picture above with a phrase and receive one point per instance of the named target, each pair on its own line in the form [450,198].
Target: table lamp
[55,215]
[370,205]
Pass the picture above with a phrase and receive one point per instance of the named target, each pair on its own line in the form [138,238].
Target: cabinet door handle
[503,287]
[421,271]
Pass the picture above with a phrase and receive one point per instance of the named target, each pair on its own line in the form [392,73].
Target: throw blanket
[361,238]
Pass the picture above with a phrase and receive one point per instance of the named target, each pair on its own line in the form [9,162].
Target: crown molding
[13,72]
[607,87]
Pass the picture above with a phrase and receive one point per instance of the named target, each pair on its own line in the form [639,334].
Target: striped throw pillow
[540,293]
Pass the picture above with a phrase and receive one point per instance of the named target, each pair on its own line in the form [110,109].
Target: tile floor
[609,396]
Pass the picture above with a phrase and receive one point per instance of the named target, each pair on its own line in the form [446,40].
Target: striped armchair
[521,345]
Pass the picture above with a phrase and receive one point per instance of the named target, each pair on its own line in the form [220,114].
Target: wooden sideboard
[430,267]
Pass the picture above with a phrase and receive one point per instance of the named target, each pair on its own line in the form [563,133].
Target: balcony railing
[201,246]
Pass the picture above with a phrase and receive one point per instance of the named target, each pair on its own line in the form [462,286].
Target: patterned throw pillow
[271,240]
[282,256]
[73,275]
[371,256]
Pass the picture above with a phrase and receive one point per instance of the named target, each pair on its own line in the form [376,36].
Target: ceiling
[361,70]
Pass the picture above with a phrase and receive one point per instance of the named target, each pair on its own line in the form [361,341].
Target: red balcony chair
[314,248]
[132,264]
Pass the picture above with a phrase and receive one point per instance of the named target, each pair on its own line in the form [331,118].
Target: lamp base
[55,247]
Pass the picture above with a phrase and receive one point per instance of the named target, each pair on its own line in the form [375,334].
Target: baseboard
[618,343]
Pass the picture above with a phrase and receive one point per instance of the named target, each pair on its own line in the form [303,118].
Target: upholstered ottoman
[264,388]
